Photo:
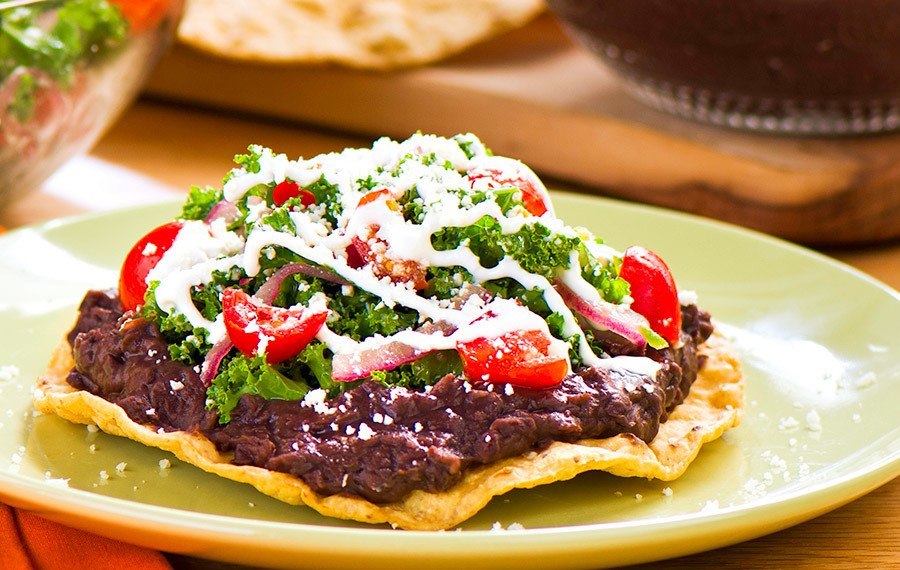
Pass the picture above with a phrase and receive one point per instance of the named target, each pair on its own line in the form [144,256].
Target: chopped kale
[423,372]
[250,161]
[363,314]
[328,194]
[603,276]
[538,250]
[250,375]
[200,202]
[79,32]
[444,282]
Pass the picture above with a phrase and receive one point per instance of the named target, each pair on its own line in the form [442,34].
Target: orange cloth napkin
[29,542]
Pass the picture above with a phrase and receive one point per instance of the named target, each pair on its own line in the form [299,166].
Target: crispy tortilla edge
[714,405]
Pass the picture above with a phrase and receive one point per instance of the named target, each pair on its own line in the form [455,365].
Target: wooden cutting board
[534,95]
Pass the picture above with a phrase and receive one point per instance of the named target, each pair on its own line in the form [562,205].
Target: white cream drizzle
[198,251]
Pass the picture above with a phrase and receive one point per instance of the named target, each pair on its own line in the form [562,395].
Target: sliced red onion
[210,367]
[390,355]
[223,210]
[270,288]
[604,316]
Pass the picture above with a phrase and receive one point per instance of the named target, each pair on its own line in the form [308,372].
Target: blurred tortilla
[714,405]
[372,34]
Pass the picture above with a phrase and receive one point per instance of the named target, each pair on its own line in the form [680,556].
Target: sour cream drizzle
[197,253]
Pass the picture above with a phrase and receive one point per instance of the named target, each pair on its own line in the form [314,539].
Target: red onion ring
[223,210]
[390,355]
[210,367]
[270,288]
[618,319]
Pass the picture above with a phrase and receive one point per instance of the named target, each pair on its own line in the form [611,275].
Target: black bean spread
[375,441]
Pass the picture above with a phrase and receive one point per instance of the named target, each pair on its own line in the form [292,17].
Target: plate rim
[853,484]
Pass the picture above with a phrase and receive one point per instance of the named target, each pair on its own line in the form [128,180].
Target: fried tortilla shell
[371,34]
[715,404]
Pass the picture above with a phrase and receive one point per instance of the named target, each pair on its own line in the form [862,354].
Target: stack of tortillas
[377,34]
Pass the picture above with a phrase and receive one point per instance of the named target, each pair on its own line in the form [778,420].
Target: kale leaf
[250,375]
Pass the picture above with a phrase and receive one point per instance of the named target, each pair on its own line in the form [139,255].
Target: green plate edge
[590,545]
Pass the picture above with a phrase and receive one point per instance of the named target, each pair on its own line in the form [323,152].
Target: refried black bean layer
[375,441]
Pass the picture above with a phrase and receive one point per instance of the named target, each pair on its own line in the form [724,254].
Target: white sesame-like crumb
[866,380]
[787,424]
[667,491]
[388,420]
[176,385]
[754,487]
[251,504]
[149,249]
[350,430]
[497,526]
[515,526]
[104,475]
[120,468]
[617,493]
[92,448]
[151,411]
[59,483]
[638,497]
[365,432]
[8,372]
[378,418]
[417,427]
[164,464]
[813,421]
[344,479]
[92,428]
[509,390]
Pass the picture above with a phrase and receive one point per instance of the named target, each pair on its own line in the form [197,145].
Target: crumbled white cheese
[8,372]
[866,380]
[164,464]
[667,491]
[365,432]
[813,421]
[788,424]
[120,468]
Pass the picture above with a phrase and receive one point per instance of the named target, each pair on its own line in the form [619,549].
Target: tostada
[395,334]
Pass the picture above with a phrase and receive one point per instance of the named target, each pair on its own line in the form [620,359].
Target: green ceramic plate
[818,340]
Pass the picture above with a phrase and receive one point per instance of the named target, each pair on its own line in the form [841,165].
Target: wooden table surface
[151,139]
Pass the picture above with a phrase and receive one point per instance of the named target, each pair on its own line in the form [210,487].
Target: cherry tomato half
[143,14]
[534,195]
[653,290]
[520,358]
[287,331]
[142,258]
[285,190]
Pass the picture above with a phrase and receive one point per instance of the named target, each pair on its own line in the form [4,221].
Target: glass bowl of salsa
[67,70]
[817,67]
